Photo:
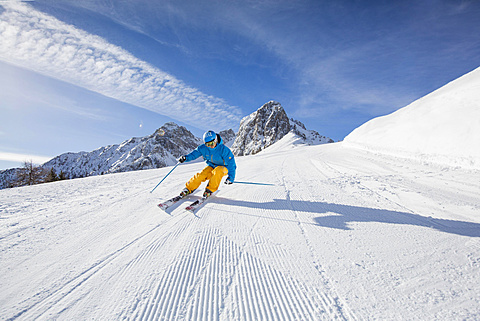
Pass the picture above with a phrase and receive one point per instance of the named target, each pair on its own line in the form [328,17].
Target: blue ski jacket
[221,155]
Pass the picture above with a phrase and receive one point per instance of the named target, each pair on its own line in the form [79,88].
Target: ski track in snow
[343,235]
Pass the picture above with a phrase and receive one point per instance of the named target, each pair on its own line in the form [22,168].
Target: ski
[195,205]
[169,202]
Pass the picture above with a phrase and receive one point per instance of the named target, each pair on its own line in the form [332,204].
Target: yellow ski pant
[214,175]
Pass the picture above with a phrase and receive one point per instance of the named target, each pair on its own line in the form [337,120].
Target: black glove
[228,181]
[182,159]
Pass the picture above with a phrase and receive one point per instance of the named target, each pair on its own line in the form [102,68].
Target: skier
[220,161]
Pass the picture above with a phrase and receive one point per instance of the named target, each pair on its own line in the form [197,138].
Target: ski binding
[195,205]
[169,202]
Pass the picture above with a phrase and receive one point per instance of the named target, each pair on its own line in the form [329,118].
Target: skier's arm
[193,155]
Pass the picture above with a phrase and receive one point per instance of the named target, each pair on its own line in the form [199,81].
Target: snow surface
[342,234]
[443,126]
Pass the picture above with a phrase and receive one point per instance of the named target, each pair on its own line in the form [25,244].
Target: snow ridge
[442,127]
[309,137]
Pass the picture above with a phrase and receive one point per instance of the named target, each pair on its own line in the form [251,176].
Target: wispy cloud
[334,78]
[343,59]
[330,65]
[42,43]
[19,158]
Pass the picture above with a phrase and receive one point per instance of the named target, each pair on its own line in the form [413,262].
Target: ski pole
[165,177]
[252,183]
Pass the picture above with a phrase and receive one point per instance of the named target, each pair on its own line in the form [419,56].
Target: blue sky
[77,75]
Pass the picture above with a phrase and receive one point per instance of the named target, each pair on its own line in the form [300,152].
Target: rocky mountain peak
[228,137]
[267,126]
[261,129]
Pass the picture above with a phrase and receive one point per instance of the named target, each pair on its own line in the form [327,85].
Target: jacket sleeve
[230,164]
[193,155]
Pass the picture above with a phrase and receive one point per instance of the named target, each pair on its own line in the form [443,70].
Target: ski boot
[207,193]
[185,192]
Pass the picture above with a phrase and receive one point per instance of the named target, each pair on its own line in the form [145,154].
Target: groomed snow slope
[343,234]
[443,126]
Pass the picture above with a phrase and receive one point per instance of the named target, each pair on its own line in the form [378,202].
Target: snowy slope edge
[441,127]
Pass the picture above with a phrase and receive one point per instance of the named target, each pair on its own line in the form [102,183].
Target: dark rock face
[261,129]
[228,136]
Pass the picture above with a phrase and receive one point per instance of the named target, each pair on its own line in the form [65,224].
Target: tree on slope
[51,176]
[30,174]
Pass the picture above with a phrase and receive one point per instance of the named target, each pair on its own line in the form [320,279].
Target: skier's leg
[198,178]
[216,178]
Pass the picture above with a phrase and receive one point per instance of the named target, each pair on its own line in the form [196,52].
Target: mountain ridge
[157,150]
[169,142]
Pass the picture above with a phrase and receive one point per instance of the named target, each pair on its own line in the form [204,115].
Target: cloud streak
[19,158]
[373,58]
[307,38]
[34,40]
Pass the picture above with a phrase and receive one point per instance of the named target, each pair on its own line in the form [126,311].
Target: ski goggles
[210,144]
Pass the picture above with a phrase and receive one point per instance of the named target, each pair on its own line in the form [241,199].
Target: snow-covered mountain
[308,136]
[8,176]
[261,129]
[268,125]
[443,126]
[228,137]
[160,149]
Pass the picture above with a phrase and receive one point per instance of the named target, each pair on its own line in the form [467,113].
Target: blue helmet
[209,136]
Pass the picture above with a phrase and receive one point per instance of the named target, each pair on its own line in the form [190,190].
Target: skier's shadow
[339,216]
